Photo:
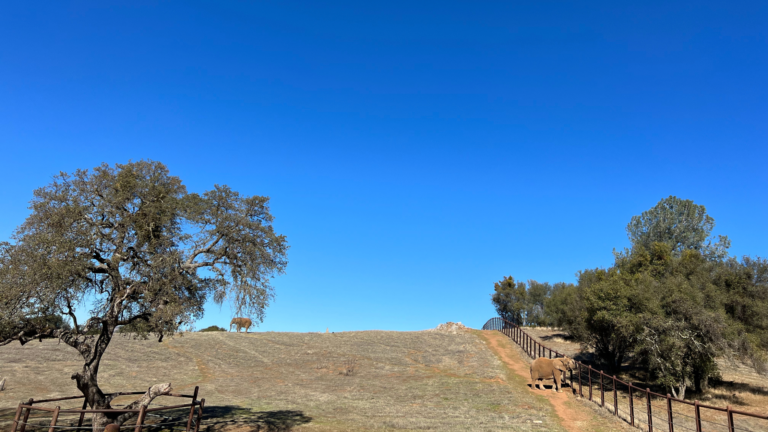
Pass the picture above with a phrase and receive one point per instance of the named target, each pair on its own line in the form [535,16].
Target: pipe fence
[22,418]
[637,406]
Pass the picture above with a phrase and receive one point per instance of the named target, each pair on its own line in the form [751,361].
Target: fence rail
[21,419]
[644,408]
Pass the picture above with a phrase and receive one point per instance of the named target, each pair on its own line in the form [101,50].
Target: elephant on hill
[550,369]
[240,323]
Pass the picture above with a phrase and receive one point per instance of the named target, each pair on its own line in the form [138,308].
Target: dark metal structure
[25,409]
[703,418]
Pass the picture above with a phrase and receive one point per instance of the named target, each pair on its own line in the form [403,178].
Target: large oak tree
[132,244]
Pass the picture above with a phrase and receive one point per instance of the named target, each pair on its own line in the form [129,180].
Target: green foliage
[564,308]
[679,223]
[535,298]
[213,328]
[509,299]
[671,304]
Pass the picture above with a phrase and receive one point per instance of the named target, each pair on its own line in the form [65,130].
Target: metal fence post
[602,391]
[615,398]
[581,393]
[632,407]
[697,415]
[650,409]
[669,414]
[731,427]
[54,419]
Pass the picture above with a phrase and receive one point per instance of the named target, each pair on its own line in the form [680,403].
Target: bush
[213,328]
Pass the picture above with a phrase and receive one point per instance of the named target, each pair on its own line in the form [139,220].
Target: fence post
[82,414]
[192,408]
[54,419]
[573,389]
[602,391]
[632,407]
[140,420]
[26,415]
[615,398]
[589,373]
[697,415]
[16,418]
[669,414]
[650,409]
[730,419]
[199,414]
[581,393]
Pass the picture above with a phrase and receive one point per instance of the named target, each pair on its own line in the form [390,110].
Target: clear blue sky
[415,152]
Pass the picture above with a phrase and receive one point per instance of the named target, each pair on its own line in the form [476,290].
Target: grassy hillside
[352,381]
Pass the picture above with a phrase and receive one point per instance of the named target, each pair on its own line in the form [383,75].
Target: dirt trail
[572,417]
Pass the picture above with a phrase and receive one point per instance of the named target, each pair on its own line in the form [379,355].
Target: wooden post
[16,418]
[54,419]
[649,408]
[730,419]
[632,407]
[671,422]
[192,408]
[199,414]
[82,414]
[697,415]
[589,373]
[573,389]
[615,398]
[26,415]
[140,420]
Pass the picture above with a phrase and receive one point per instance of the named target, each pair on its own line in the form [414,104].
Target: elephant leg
[556,387]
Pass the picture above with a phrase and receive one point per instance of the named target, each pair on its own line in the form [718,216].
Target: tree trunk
[87,382]
[699,381]
[680,393]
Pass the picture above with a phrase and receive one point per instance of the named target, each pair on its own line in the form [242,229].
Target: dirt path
[572,417]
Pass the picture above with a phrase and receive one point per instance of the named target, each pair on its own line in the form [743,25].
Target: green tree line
[670,304]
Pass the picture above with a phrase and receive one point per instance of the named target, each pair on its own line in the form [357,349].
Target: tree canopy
[679,223]
[147,252]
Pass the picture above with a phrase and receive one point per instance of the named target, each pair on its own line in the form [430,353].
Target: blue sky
[414,152]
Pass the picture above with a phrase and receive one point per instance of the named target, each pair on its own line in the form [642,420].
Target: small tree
[133,239]
[509,299]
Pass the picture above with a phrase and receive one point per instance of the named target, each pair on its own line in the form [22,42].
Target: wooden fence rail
[21,419]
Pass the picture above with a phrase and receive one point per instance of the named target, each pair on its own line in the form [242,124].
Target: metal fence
[637,406]
[21,420]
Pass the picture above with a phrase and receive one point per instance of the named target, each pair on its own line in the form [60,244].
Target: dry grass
[353,381]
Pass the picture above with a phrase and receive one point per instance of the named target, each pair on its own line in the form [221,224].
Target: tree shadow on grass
[228,417]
